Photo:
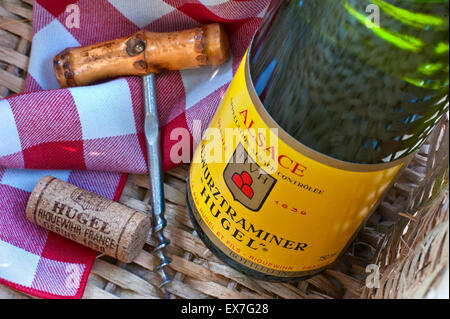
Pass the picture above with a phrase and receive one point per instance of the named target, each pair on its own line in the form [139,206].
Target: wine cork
[88,219]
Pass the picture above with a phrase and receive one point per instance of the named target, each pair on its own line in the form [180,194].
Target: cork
[88,219]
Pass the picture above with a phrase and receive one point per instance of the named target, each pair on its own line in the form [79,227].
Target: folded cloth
[92,136]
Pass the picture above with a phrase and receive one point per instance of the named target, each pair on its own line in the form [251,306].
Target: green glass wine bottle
[329,104]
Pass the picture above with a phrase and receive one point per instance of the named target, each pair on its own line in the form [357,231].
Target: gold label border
[240,259]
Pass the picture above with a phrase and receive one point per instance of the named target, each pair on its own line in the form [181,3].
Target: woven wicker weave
[409,261]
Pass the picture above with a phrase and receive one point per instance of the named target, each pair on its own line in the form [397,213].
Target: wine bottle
[330,102]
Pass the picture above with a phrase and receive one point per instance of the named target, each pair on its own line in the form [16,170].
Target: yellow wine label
[270,203]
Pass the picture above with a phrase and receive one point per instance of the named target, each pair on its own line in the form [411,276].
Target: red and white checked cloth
[91,136]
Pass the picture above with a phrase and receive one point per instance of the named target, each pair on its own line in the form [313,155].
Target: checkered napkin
[91,136]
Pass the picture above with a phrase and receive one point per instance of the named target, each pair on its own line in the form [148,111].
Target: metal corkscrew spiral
[160,224]
[151,129]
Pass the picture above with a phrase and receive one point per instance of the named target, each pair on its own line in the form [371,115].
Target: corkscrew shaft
[151,129]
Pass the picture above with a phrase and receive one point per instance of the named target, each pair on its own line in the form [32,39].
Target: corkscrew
[145,53]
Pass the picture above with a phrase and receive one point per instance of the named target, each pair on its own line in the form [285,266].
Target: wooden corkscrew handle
[142,53]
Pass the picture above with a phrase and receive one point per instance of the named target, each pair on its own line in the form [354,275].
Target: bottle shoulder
[347,93]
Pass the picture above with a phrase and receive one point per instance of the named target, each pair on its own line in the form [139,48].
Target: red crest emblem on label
[249,184]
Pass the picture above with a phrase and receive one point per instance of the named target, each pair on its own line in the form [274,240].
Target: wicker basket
[406,238]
